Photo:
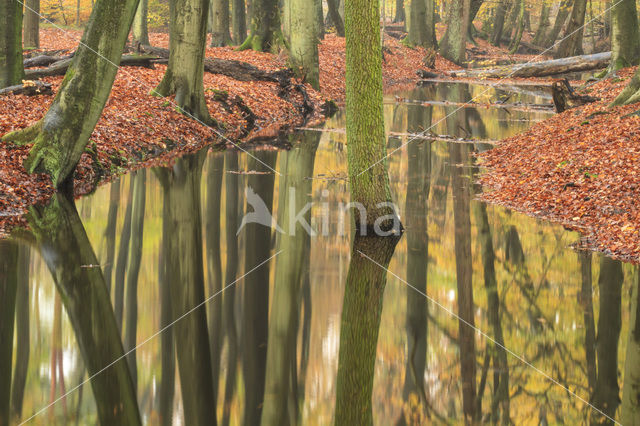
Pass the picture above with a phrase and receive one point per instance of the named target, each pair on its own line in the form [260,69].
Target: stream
[487,314]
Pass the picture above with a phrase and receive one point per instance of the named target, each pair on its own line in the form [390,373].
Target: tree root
[23,136]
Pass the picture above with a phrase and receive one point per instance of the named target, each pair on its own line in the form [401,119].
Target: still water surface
[482,306]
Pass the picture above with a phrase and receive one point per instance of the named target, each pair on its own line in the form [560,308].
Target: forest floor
[580,168]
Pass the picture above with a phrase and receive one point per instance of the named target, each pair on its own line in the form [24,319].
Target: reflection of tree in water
[8,288]
[280,398]
[359,327]
[185,275]
[631,387]
[22,332]
[255,311]
[63,244]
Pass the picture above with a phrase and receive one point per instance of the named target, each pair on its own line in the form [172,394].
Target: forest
[280,212]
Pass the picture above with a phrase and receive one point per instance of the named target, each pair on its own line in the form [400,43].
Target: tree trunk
[366,147]
[400,15]
[631,93]
[123,258]
[11,70]
[498,23]
[474,8]
[571,45]
[336,18]
[31,33]
[631,383]
[215,173]
[239,21]
[303,40]
[319,19]
[294,196]
[255,310]
[185,275]
[220,35]
[422,24]
[265,34]
[606,392]
[139,30]
[188,28]
[135,257]
[65,247]
[625,36]
[62,135]
[561,17]
[515,42]
[360,323]
[543,25]
[453,43]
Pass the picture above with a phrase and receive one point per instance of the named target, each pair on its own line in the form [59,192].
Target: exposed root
[23,136]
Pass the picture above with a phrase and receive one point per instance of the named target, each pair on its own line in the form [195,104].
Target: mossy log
[44,60]
[29,88]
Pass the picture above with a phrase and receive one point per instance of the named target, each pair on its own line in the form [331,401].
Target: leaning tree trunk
[11,70]
[266,34]
[303,39]
[625,37]
[220,35]
[571,44]
[543,25]
[31,24]
[139,29]
[561,17]
[366,145]
[62,135]
[336,18]
[239,21]
[185,71]
[453,43]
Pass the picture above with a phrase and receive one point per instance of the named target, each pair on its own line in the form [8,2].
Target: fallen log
[29,88]
[43,60]
[564,96]
[60,67]
[540,69]
[238,70]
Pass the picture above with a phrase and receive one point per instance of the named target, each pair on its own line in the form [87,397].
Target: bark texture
[266,34]
[239,21]
[11,71]
[452,45]
[571,44]
[303,40]
[625,36]
[220,35]
[139,29]
[422,24]
[31,24]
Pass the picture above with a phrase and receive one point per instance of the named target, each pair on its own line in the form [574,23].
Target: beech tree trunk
[303,40]
[139,30]
[31,24]
[185,71]
[266,34]
[543,24]
[571,45]
[400,15]
[561,17]
[453,43]
[8,288]
[498,23]
[336,18]
[63,133]
[364,110]
[625,36]
[239,18]
[422,24]
[11,70]
[631,383]
[220,35]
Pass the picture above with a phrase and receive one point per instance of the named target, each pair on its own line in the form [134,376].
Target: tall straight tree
[220,35]
[63,133]
[400,15]
[571,43]
[11,70]
[366,147]
[625,37]
[498,22]
[266,34]
[239,21]
[303,40]
[335,17]
[139,29]
[188,37]
[561,17]
[31,24]
[543,24]
[452,45]
[422,30]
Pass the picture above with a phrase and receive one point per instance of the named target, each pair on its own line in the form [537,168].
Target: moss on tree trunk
[139,30]
[422,24]
[266,34]
[453,43]
[63,133]
[625,36]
